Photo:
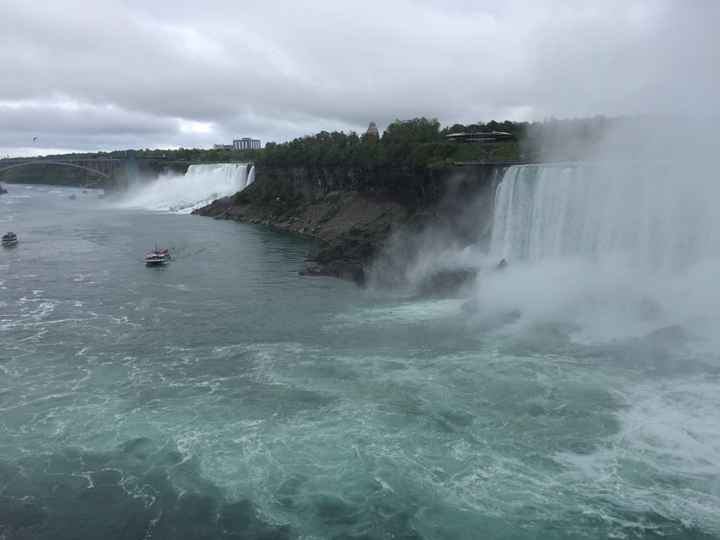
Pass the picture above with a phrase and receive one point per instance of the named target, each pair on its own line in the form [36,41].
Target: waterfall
[658,215]
[616,248]
[200,185]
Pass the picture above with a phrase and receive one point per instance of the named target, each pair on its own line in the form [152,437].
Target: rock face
[350,226]
[352,213]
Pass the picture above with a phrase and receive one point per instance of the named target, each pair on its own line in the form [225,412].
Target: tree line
[415,143]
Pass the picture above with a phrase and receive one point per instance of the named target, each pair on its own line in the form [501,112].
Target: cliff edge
[353,213]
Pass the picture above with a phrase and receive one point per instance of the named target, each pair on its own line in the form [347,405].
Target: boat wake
[182,194]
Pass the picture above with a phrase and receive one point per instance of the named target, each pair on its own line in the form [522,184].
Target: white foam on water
[199,186]
[401,313]
[602,301]
[669,436]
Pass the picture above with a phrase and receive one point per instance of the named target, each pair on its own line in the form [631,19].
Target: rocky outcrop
[352,213]
[350,226]
[444,282]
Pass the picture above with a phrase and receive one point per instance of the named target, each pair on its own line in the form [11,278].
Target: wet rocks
[350,227]
[446,282]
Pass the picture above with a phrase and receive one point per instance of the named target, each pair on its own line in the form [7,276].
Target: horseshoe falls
[633,246]
[182,193]
[655,215]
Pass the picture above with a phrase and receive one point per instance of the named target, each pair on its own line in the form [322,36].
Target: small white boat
[9,239]
[157,257]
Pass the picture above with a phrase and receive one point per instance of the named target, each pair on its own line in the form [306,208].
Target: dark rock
[446,282]
[2,190]
[217,208]
[353,213]
[344,257]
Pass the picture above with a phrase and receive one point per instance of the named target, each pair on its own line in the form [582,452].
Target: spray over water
[200,185]
[626,241]
[613,265]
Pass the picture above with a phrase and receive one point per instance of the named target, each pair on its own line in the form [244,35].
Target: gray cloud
[103,74]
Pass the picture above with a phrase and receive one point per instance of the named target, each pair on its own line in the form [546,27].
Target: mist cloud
[111,74]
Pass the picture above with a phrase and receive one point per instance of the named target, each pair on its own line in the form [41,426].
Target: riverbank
[352,213]
[350,226]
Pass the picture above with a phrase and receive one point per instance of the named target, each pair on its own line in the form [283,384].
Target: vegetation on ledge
[416,143]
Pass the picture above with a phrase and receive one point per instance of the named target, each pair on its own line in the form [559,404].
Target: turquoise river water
[225,396]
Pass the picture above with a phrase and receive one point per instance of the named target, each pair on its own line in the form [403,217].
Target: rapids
[225,396]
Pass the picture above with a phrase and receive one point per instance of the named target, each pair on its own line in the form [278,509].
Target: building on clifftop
[246,143]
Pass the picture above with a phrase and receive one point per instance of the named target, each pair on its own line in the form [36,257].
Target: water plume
[200,185]
[621,242]
[617,237]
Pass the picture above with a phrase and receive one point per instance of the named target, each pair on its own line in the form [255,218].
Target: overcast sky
[108,74]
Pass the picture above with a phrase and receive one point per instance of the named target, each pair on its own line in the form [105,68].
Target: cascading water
[614,263]
[618,248]
[200,185]
[653,215]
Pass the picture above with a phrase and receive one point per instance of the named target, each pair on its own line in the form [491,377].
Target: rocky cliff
[353,212]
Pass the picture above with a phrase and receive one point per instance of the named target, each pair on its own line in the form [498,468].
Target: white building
[246,143]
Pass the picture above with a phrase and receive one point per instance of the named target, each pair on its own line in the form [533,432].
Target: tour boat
[9,239]
[157,257]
